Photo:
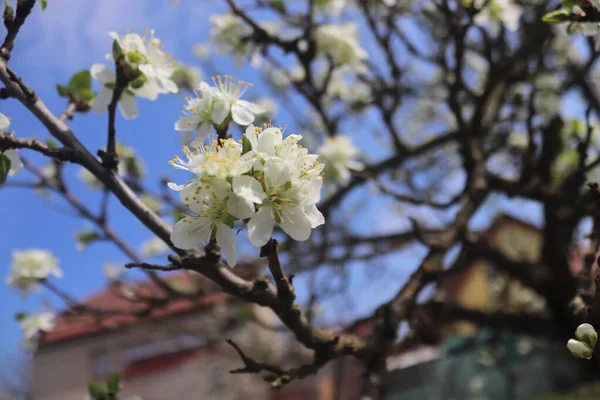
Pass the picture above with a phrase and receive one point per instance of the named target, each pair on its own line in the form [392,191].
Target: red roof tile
[73,325]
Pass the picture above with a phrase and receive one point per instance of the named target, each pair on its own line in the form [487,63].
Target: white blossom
[35,324]
[30,266]
[154,247]
[113,272]
[276,176]
[214,209]
[156,68]
[228,35]
[340,42]
[13,155]
[339,155]
[219,160]
[505,11]
[215,105]
[288,191]
[107,77]
[586,339]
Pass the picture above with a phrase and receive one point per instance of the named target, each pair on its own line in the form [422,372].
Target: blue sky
[70,36]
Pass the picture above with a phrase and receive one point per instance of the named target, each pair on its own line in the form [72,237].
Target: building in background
[178,351]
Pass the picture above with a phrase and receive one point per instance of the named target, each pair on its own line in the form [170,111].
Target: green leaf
[4,168]
[556,16]
[97,390]
[117,51]
[20,316]
[63,91]
[51,143]
[82,80]
[113,384]
[87,96]
[44,4]
[85,238]
[246,145]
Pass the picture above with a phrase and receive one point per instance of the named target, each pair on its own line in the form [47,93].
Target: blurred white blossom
[30,266]
[144,54]
[13,155]
[154,247]
[340,156]
[35,324]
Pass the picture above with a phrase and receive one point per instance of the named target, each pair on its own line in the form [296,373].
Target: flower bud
[587,334]
[579,349]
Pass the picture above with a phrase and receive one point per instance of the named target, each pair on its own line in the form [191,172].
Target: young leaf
[82,80]
[113,384]
[20,316]
[63,91]
[97,391]
[44,4]
[246,145]
[4,168]
[556,16]
[117,51]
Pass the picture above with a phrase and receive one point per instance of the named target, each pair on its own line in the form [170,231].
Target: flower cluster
[339,155]
[583,345]
[30,266]
[151,67]
[341,43]
[263,180]
[35,324]
[229,35]
[13,155]
[217,105]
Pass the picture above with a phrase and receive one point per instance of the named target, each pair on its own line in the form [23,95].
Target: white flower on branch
[13,155]
[35,324]
[113,272]
[341,43]
[340,157]
[107,78]
[586,339]
[30,266]
[154,247]
[230,35]
[154,65]
[214,210]
[287,189]
[217,105]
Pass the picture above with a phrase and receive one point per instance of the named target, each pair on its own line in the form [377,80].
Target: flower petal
[276,172]
[103,73]
[128,106]
[260,227]
[220,110]
[15,162]
[241,115]
[187,124]
[239,207]
[190,232]
[252,107]
[268,139]
[102,100]
[226,241]
[4,122]
[147,91]
[249,188]
[314,216]
[295,223]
